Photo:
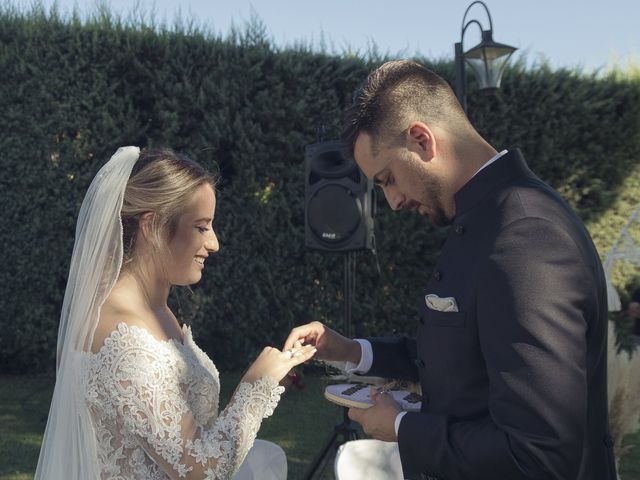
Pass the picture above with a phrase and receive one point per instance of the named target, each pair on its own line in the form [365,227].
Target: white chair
[265,461]
[368,459]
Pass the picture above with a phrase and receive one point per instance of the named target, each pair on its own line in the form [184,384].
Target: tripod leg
[321,457]
[346,430]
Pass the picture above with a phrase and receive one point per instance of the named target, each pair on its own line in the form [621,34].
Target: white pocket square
[446,304]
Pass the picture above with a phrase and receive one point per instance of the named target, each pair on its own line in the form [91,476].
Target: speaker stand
[346,428]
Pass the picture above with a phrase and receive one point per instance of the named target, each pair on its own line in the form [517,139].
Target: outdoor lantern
[488,59]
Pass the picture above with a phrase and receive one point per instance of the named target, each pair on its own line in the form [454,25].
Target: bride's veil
[69,450]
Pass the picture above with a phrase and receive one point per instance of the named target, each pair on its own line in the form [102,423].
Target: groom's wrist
[354,353]
[362,364]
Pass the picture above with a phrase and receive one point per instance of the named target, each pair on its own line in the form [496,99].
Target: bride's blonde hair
[162,182]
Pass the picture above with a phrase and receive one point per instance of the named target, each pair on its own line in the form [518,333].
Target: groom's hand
[379,421]
[330,344]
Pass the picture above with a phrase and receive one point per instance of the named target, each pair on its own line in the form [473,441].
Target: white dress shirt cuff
[366,358]
[398,420]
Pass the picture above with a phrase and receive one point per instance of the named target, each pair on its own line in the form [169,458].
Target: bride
[135,398]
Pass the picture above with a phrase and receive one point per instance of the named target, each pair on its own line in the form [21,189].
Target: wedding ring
[293,353]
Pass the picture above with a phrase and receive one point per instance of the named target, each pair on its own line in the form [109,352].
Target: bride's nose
[212,244]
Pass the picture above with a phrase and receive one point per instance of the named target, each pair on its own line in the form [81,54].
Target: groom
[510,348]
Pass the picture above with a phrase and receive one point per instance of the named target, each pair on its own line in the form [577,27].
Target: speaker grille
[334,213]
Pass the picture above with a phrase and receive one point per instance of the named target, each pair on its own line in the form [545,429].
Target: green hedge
[72,91]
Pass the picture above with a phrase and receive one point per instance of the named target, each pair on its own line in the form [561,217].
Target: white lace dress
[155,409]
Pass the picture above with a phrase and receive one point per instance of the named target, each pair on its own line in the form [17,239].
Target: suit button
[420,319]
[419,363]
[437,275]
[459,229]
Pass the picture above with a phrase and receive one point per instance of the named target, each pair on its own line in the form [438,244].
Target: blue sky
[585,34]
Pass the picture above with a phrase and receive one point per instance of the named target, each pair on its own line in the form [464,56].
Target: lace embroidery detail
[155,408]
[251,403]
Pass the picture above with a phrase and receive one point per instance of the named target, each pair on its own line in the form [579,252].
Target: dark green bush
[71,92]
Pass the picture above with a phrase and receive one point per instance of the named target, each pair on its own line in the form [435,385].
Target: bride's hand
[277,364]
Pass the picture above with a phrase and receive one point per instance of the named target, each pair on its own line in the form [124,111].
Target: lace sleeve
[221,449]
[149,404]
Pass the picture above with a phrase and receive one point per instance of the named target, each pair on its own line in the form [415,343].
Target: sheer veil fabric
[69,447]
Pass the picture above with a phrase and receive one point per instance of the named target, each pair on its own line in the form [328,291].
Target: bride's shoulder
[114,315]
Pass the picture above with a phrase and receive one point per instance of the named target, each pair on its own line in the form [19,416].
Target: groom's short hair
[395,94]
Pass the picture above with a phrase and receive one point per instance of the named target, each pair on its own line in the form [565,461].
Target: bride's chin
[195,278]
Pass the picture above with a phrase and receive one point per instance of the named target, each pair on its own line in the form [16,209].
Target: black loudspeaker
[339,201]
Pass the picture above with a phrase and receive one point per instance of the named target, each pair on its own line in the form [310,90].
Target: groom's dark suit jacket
[514,382]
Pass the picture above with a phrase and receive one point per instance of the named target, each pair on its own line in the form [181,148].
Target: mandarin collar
[509,166]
